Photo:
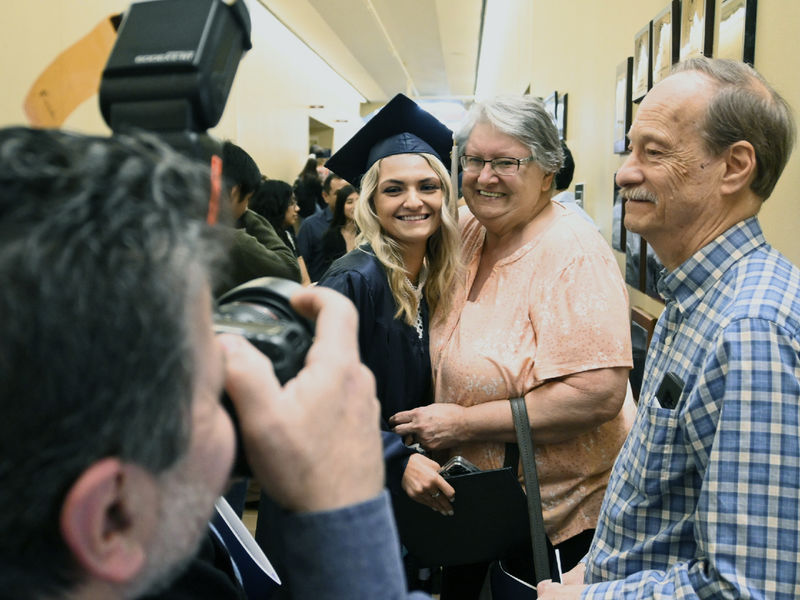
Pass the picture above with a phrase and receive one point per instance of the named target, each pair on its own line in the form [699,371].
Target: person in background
[113,440]
[340,237]
[563,180]
[309,238]
[308,189]
[404,264]
[274,200]
[703,500]
[542,314]
[255,248]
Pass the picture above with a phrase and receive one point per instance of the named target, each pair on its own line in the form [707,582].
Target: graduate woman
[403,267]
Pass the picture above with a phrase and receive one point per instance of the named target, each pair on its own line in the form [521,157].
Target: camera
[175,81]
[260,311]
[165,78]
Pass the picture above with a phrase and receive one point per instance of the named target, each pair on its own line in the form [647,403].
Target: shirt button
[668,341]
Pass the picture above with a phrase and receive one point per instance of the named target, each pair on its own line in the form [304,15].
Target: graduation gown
[391,348]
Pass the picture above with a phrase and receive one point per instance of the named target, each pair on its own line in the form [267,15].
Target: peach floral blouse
[556,306]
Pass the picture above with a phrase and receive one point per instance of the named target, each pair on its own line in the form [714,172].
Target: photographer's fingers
[338,392]
[253,389]
[336,323]
[313,444]
[249,376]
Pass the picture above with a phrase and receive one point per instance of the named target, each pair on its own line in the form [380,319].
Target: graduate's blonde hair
[442,252]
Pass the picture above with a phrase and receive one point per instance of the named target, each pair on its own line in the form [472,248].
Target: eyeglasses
[502,166]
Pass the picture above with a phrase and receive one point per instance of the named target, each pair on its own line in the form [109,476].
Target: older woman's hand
[435,426]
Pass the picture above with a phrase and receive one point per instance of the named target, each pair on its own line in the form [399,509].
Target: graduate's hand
[422,482]
[435,426]
[313,444]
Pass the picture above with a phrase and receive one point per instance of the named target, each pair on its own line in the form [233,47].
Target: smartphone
[458,465]
[670,390]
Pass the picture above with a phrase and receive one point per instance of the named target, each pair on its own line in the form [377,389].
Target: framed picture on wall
[561,115]
[618,232]
[551,104]
[642,67]
[666,36]
[635,259]
[697,28]
[736,36]
[622,105]
[653,267]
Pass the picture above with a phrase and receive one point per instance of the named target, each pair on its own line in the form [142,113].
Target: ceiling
[427,49]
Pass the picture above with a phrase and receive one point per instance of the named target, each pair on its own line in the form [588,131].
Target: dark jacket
[391,348]
[256,251]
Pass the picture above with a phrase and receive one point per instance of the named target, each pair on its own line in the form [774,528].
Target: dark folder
[490,520]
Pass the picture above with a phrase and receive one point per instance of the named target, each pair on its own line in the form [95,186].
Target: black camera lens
[260,311]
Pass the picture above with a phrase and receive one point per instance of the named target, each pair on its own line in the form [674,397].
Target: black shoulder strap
[541,561]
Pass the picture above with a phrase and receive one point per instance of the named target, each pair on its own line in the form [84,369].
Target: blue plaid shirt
[704,499]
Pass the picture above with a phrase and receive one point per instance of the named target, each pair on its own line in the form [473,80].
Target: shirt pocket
[655,449]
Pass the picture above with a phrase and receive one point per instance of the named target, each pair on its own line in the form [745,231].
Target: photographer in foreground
[113,442]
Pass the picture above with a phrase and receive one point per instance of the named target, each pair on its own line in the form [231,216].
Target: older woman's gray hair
[523,118]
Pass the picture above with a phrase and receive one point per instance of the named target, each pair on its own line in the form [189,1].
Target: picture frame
[561,115]
[578,193]
[736,30]
[645,320]
[643,326]
[642,65]
[652,269]
[551,105]
[623,109]
[697,28]
[618,231]
[666,39]
[635,261]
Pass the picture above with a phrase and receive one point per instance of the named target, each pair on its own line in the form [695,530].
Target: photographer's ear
[108,518]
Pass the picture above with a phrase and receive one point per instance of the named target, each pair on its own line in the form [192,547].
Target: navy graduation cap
[400,127]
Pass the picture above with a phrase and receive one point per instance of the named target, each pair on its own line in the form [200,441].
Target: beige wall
[268,109]
[577,46]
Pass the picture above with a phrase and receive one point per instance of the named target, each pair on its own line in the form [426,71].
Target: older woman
[404,263]
[542,313]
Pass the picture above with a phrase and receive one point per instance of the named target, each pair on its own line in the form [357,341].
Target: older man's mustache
[638,194]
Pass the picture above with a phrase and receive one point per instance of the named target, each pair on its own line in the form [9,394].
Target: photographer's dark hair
[103,248]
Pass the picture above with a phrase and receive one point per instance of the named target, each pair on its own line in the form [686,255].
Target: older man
[113,442]
[704,499]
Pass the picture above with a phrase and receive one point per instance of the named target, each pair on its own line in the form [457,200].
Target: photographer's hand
[315,443]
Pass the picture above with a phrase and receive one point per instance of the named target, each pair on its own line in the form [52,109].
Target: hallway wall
[577,46]
[267,111]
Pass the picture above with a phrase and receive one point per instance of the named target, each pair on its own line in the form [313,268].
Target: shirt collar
[687,284]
